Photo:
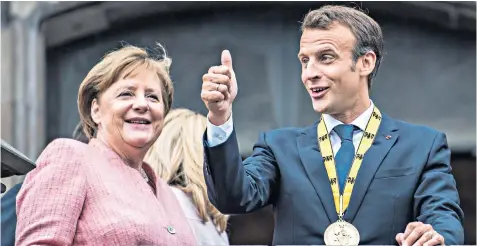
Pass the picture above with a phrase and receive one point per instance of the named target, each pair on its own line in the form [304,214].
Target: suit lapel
[384,140]
[315,169]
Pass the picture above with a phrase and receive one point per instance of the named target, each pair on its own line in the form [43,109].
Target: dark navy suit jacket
[405,176]
[9,215]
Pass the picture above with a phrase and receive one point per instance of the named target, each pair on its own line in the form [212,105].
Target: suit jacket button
[171,230]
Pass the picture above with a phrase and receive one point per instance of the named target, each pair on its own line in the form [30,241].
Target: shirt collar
[361,122]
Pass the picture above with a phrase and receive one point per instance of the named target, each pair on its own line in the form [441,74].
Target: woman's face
[130,113]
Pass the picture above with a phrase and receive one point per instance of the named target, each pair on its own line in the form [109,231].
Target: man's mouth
[318,92]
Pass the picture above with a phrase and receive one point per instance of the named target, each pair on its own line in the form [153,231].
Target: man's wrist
[219,119]
[217,135]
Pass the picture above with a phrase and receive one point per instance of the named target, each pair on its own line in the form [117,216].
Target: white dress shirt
[218,134]
[361,122]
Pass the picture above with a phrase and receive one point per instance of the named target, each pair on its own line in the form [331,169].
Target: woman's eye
[154,97]
[125,94]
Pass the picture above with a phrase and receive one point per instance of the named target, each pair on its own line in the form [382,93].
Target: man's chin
[319,107]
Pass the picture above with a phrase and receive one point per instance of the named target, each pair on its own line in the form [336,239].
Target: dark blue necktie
[345,155]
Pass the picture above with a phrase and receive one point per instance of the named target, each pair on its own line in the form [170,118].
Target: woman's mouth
[138,123]
[143,122]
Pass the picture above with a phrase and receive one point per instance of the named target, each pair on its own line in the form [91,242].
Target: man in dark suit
[356,175]
[8,201]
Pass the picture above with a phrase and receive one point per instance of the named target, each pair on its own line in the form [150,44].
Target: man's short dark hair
[366,31]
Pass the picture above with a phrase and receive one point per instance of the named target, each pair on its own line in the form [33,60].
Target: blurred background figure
[78,134]
[429,69]
[177,157]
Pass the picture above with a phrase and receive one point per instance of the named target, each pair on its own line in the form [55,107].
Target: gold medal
[341,232]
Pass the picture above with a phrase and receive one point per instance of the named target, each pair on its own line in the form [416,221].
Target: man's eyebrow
[325,49]
[319,50]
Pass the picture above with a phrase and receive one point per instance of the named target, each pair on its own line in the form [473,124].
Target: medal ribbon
[329,160]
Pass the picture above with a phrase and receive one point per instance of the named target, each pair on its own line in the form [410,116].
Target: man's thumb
[226,59]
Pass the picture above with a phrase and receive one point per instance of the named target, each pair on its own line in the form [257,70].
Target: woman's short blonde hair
[177,156]
[117,65]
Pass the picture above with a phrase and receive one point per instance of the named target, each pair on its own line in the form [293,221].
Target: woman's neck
[131,156]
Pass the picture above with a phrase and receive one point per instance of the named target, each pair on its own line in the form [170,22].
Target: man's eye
[305,60]
[326,58]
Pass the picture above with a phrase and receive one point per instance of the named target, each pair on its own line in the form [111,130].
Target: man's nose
[311,71]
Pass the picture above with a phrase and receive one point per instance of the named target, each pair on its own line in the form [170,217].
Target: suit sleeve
[52,196]
[436,200]
[236,187]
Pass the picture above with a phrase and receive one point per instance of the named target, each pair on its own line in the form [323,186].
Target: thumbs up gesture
[219,89]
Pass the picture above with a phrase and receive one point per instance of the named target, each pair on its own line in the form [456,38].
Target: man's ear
[95,114]
[367,63]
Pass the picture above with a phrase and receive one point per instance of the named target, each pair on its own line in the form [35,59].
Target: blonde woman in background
[177,157]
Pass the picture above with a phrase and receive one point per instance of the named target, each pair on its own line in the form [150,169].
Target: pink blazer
[84,194]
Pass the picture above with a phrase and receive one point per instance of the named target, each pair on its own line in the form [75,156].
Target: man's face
[328,72]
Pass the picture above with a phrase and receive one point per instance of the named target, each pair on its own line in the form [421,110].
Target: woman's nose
[140,104]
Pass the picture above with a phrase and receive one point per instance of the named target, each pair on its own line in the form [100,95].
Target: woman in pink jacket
[102,193]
